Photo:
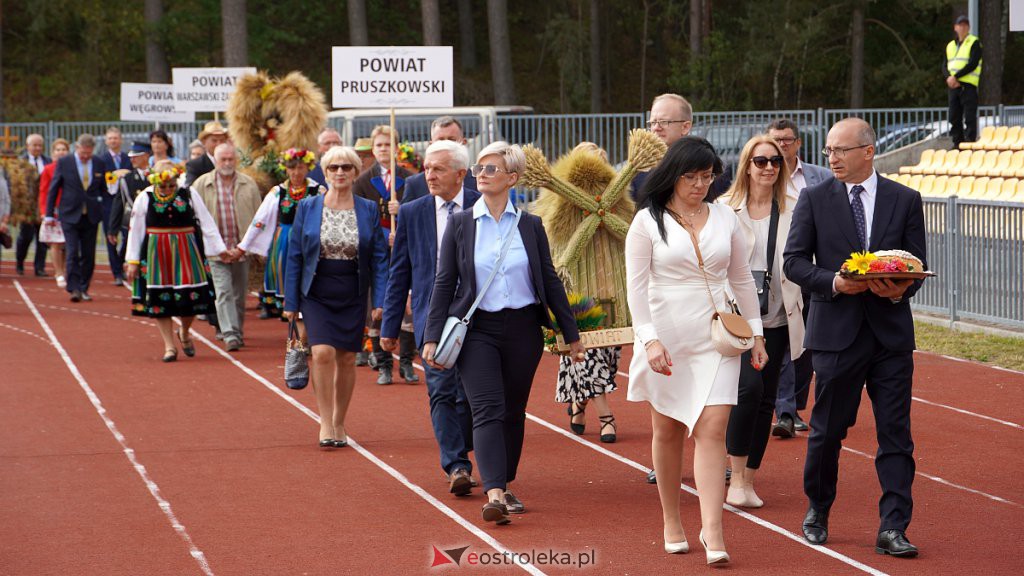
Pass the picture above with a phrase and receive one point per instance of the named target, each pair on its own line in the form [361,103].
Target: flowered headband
[300,154]
[161,178]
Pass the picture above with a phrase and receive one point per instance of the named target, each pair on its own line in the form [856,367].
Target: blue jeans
[450,417]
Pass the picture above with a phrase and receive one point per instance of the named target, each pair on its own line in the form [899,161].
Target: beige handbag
[730,333]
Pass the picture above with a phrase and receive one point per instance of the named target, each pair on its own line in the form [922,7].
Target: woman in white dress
[690,387]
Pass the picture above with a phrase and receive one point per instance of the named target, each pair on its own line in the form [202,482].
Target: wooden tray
[606,338]
[890,276]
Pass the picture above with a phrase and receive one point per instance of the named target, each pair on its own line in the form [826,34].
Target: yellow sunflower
[860,262]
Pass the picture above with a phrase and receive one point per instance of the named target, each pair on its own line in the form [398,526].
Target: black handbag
[763,278]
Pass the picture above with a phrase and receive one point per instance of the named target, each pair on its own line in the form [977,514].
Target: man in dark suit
[212,135]
[794,377]
[413,266]
[443,128]
[860,331]
[126,189]
[375,184]
[80,175]
[115,160]
[28,232]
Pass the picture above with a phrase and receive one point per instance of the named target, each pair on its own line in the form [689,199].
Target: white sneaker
[61,282]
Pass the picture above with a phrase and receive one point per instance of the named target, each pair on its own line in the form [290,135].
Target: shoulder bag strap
[773,235]
[696,248]
[501,258]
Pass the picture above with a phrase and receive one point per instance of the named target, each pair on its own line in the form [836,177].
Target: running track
[113,463]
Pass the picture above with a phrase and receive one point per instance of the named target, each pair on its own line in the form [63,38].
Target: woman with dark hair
[759,197]
[681,252]
[163,148]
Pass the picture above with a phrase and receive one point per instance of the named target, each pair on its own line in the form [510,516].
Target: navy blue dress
[333,311]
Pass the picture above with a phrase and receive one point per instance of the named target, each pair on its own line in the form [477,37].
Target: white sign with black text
[206,89]
[151,103]
[392,77]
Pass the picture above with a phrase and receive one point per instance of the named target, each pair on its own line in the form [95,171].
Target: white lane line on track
[746,516]
[961,360]
[968,413]
[129,453]
[27,333]
[416,489]
[922,474]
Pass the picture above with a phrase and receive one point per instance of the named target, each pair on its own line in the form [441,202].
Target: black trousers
[80,252]
[803,365]
[28,233]
[113,254]
[497,363]
[841,377]
[750,421]
[963,114]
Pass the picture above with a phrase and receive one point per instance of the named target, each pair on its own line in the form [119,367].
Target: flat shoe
[170,356]
[327,443]
[187,346]
[495,512]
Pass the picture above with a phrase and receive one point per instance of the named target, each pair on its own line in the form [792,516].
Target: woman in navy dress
[336,252]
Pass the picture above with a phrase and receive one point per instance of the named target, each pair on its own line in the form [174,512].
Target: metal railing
[977,250]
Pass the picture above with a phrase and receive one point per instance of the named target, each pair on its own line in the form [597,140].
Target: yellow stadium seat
[977,165]
[978,188]
[948,162]
[1019,145]
[986,134]
[952,186]
[989,163]
[927,183]
[939,185]
[964,186]
[914,182]
[964,160]
[1008,189]
[1014,167]
[1010,141]
[926,158]
[1019,195]
[929,163]
[992,189]
[997,138]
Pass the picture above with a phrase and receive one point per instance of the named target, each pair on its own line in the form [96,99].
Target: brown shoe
[496,512]
[459,482]
[513,504]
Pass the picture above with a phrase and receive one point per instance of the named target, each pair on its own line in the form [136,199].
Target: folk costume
[174,277]
[268,236]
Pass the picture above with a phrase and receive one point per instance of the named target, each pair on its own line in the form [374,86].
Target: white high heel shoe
[677,547]
[714,556]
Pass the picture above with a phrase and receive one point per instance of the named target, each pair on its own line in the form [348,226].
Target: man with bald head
[861,332]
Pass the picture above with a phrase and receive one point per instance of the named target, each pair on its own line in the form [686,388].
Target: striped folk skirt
[272,295]
[174,279]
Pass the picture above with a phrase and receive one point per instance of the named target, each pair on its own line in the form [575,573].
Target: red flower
[876,266]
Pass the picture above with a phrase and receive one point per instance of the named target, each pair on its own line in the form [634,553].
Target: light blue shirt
[88,165]
[511,287]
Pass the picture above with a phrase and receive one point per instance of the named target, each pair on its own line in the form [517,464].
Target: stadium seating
[990,169]
[986,134]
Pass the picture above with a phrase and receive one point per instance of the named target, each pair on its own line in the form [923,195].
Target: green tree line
[65,59]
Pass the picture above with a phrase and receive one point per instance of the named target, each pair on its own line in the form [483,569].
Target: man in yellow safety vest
[962,68]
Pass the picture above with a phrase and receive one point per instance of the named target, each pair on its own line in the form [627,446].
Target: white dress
[669,302]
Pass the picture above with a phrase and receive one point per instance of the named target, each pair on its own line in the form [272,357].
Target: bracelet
[649,342]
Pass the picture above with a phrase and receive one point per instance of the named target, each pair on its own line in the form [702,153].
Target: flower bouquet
[590,317]
[891,264]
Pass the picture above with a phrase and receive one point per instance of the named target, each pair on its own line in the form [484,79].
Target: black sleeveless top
[175,213]
[288,206]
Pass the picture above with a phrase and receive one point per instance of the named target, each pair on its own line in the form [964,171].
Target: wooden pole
[394,151]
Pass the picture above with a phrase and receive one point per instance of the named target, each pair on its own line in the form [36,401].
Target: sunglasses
[488,169]
[344,167]
[762,161]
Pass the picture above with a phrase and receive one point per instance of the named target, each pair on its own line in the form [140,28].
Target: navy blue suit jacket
[823,235]
[317,175]
[304,251]
[416,186]
[455,285]
[122,161]
[74,196]
[413,264]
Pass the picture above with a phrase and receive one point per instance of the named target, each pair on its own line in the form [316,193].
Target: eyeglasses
[663,123]
[698,179]
[786,141]
[762,161]
[345,167]
[839,151]
[488,169]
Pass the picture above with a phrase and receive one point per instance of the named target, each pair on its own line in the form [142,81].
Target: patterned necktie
[858,215]
[450,205]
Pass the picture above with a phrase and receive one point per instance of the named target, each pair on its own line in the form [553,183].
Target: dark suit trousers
[80,252]
[113,254]
[750,421]
[795,379]
[28,233]
[450,417]
[841,377]
[498,361]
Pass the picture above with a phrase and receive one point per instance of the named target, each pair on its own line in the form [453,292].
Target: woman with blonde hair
[759,197]
[59,149]
[336,253]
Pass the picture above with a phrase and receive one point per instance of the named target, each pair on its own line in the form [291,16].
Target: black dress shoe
[895,543]
[816,526]
[651,478]
[86,297]
[384,376]
[42,274]
[784,428]
[21,270]
[76,296]
[408,374]
[799,425]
